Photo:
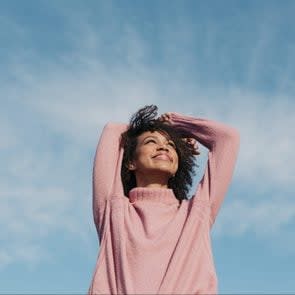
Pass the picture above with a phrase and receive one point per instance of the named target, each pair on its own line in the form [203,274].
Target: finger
[166,117]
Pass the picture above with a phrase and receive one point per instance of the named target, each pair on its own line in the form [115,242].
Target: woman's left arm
[223,144]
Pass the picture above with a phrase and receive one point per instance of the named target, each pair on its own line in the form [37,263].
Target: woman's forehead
[157,134]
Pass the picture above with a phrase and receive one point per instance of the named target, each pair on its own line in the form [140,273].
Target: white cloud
[28,217]
[265,217]
[32,211]
[8,135]
[78,105]
[5,259]
[19,252]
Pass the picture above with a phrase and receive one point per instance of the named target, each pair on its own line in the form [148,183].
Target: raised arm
[107,169]
[223,144]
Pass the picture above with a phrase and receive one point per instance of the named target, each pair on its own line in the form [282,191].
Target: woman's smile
[163,157]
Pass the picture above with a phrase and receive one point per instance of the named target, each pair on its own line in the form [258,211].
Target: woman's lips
[163,157]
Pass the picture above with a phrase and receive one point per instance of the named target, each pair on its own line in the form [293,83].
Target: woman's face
[155,153]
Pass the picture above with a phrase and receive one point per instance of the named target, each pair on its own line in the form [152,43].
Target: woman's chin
[161,173]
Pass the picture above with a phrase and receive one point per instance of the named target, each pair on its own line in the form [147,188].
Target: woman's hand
[166,118]
[192,142]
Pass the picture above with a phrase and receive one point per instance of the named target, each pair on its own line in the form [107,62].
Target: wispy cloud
[28,216]
[266,217]
[8,135]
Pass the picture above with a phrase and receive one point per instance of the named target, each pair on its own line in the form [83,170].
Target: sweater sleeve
[222,142]
[107,170]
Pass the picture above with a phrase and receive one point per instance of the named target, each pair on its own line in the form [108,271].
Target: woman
[153,238]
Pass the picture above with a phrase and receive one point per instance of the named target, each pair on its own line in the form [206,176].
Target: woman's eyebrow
[153,136]
[156,137]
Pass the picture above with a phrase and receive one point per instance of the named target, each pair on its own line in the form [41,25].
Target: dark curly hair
[144,120]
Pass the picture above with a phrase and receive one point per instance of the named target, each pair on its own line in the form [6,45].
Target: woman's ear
[131,166]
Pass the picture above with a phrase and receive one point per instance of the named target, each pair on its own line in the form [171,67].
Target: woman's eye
[171,143]
[150,140]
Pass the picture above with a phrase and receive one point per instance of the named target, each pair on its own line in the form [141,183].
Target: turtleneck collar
[162,195]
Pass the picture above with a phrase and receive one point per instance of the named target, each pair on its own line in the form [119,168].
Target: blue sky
[68,67]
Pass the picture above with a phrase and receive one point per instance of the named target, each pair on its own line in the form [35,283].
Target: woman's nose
[162,146]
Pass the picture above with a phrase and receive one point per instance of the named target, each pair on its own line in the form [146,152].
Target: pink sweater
[150,243]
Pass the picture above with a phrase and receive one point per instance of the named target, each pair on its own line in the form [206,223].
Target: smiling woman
[146,142]
[154,239]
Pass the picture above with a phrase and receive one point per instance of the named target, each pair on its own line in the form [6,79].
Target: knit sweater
[150,243]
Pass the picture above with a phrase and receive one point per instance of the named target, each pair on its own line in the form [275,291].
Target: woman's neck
[152,181]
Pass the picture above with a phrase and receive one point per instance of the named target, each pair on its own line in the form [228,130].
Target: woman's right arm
[107,169]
